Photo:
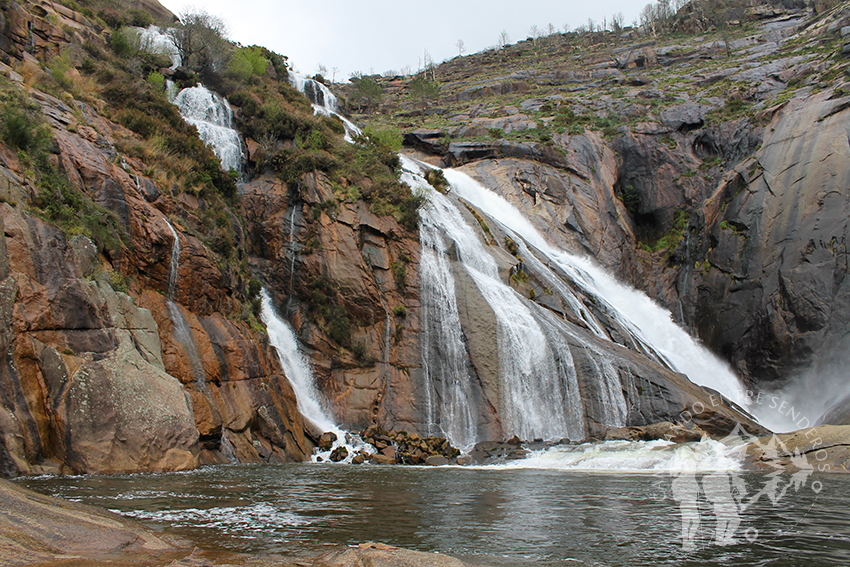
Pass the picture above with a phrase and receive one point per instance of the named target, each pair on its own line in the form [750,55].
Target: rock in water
[326,441]
[339,454]
[380,555]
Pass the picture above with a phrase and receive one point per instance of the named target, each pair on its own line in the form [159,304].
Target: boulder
[326,441]
[39,529]
[380,555]
[379,459]
[825,449]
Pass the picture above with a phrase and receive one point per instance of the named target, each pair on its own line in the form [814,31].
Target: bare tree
[321,69]
[429,66]
[551,29]
[591,25]
[461,49]
[566,28]
[335,70]
[617,24]
[201,40]
[504,39]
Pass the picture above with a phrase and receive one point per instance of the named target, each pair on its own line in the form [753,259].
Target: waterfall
[207,111]
[539,394]
[632,309]
[324,102]
[298,372]
[182,332]
[175,262]
[213,117]
[154,40]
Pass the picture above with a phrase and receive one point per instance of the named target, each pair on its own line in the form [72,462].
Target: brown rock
[825,449]
[40,529]
[380,555]
[436,461]
[380,459]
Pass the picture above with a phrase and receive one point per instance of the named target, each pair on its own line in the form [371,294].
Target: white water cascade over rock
[207,111]
[583,357]
[182,332]
[297,370]
[645,319]
[323,101]
[213,117]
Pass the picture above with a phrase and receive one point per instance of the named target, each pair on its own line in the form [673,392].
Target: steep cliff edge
[725,151]
[96,378]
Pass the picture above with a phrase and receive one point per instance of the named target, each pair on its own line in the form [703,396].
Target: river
[486,516]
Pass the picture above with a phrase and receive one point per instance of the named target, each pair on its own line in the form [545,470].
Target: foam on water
[632,456]
[259,517]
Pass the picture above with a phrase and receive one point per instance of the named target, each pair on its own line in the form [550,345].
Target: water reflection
[493,517]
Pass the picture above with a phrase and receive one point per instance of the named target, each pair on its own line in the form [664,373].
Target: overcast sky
[374,36]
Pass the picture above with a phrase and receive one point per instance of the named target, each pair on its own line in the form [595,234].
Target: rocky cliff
[707,171]
[725,150]
[96,379]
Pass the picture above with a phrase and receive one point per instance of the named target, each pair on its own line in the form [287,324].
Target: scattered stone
[380,459]
[436,461]
[326,441]
[465,460]
[339,454]
[359,458]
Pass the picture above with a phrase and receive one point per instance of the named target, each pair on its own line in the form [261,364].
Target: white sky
[374,36]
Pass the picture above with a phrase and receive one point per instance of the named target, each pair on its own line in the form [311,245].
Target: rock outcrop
[37,529]
[346,279]
[769,285]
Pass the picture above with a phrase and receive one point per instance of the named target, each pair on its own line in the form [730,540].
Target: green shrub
[157,81]
[386,139]
[247,62]
[423,89]
[123,42]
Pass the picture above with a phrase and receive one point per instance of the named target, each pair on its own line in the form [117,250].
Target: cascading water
[213,117]
[324,102]
[535,398]
[298,372]
[539,394]
[632,309]
[155,40]
[207,111]
[182,333]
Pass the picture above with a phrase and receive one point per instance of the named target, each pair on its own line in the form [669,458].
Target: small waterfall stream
[323,101]
[207,111]
[182,332]
[213,117]
[297,370]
